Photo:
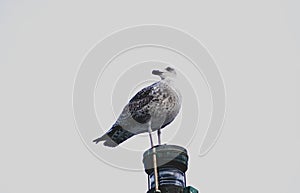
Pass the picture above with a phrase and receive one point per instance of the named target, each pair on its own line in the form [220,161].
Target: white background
[255,44]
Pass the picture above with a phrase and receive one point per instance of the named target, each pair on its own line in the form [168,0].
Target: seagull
[151,109]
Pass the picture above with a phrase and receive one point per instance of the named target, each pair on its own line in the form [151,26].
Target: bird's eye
[169,69]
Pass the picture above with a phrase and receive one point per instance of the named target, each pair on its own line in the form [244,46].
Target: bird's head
[167,73]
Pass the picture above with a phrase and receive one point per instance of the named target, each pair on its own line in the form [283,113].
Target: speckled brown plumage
[156,106]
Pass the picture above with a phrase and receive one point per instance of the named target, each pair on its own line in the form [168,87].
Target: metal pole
[155,170]
[154,159]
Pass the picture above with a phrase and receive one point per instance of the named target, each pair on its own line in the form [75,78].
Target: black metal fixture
[172,163]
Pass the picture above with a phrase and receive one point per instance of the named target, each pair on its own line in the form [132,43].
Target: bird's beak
[157,72]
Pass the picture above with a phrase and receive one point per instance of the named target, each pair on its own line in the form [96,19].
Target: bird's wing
[136,109]
[139,104]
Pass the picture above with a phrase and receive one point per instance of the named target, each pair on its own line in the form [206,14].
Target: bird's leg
[158,135]
[150,135]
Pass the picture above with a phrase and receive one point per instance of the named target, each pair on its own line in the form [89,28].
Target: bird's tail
[114,136]
[100,139]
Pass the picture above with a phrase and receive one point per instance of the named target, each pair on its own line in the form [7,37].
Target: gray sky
[255,44]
